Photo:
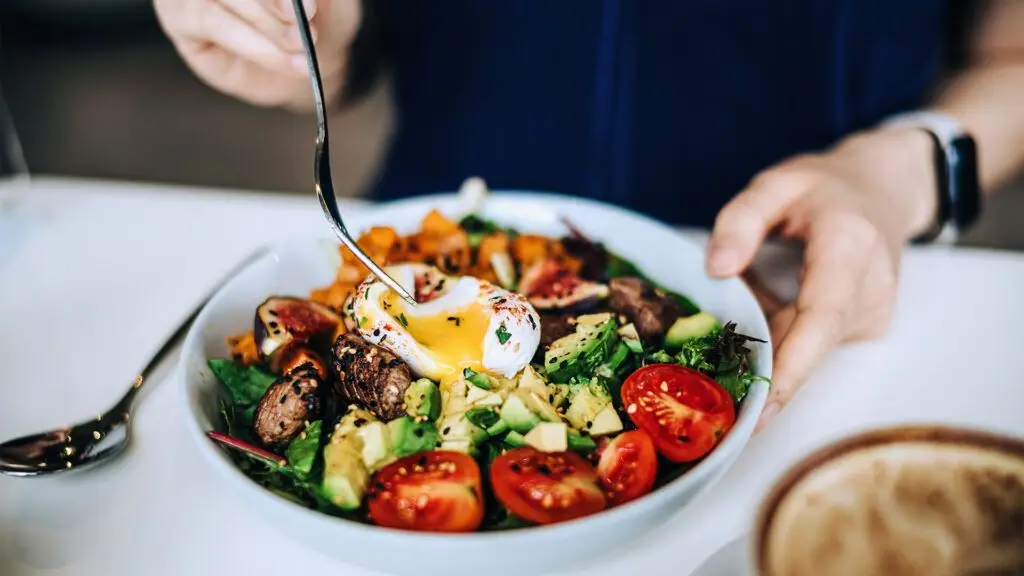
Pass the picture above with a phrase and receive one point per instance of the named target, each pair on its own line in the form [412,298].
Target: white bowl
[298,266]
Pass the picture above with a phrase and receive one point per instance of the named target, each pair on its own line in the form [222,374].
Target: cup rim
[938,434]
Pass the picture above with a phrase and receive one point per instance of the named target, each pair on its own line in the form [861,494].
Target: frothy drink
[900,502]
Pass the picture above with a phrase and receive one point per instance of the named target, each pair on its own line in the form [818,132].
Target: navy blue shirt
[668,107]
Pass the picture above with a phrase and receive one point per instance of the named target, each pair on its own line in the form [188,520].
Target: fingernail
[769,413]
[722,261]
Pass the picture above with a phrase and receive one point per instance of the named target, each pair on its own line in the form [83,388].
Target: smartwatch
[956,174]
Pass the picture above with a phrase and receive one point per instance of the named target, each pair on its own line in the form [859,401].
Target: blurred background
[97,91]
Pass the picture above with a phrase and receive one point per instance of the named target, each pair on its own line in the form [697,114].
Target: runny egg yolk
[455,338]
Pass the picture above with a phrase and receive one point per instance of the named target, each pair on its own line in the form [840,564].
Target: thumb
[744,222]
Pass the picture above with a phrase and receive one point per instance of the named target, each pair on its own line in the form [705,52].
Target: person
[754,118]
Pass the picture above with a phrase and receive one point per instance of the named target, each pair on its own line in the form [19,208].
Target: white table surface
[94,274]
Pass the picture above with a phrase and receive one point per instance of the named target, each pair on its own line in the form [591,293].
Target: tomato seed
[631,409]
[547,501]
[664,386]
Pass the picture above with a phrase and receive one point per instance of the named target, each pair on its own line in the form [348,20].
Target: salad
[537,380]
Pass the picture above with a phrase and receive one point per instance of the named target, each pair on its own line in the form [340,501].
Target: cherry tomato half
[628,467]
[436,491]
[545,488]
[685,411]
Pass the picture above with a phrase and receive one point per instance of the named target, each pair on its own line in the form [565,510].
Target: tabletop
[94,274]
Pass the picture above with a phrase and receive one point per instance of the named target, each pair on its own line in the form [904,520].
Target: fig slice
[550,286]
[285,322]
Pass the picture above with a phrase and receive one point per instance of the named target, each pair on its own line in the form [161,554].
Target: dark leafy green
[246,384]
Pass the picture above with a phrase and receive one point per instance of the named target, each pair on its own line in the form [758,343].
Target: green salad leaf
[302,451]
[247,384]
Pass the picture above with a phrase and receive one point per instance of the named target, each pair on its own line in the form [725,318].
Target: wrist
[906,160]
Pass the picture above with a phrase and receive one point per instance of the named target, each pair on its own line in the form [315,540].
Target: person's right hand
[251,49]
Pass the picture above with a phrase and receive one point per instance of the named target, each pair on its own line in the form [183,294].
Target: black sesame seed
[376,332]
[394,363]
[446,430]
[419,434]
[544,470]
[684,439]
[297,388]
[421,461]
[359,423]
[272,324]
[272,313]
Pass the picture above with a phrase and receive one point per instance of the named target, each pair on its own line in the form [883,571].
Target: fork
[322,162]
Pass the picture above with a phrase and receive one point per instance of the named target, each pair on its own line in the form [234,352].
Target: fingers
[246,28]
[770,301]
[743,223]
[836,263]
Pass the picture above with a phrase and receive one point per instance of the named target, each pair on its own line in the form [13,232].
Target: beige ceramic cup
[911,501]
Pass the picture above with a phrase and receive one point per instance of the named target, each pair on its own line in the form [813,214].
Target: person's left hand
[853,207]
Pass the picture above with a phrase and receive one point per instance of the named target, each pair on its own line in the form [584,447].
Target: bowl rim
[367,214]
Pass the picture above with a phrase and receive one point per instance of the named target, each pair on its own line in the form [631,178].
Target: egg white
[505,346]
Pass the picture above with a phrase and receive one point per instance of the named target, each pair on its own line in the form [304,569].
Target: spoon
[322,162]
[93,441]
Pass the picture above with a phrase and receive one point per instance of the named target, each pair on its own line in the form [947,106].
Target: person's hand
[251,49]
[853,208]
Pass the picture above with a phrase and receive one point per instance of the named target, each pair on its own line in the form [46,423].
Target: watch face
[964,186]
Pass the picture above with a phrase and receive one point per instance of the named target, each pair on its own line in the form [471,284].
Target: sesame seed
[631,409]
[67,464]
[96,434]
[664,386]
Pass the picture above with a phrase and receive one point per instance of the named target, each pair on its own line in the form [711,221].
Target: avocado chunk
[606,422]
[376,440]
[580,442]
[480,398]
[459,430]
[530,381]
[423,399]
[589,400]
[515,439]
[631,338]
[697,326]
[346,476]
[488,420]
[549,437]
[518,417]
[579,353]
[410,436]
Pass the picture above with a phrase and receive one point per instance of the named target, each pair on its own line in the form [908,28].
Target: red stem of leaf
[573,230]
[243,446]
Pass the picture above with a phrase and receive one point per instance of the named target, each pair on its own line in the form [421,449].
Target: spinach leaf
[302,451]
[247,384]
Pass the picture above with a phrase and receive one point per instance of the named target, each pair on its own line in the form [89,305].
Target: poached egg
[461,322]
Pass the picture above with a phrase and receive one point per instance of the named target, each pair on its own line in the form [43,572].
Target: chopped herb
[456,320]
[402,320]
[503,333]
[363,321]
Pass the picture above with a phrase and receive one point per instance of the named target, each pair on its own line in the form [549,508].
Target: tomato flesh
[685,412]
[628,467]
[546,488]
[439,491]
